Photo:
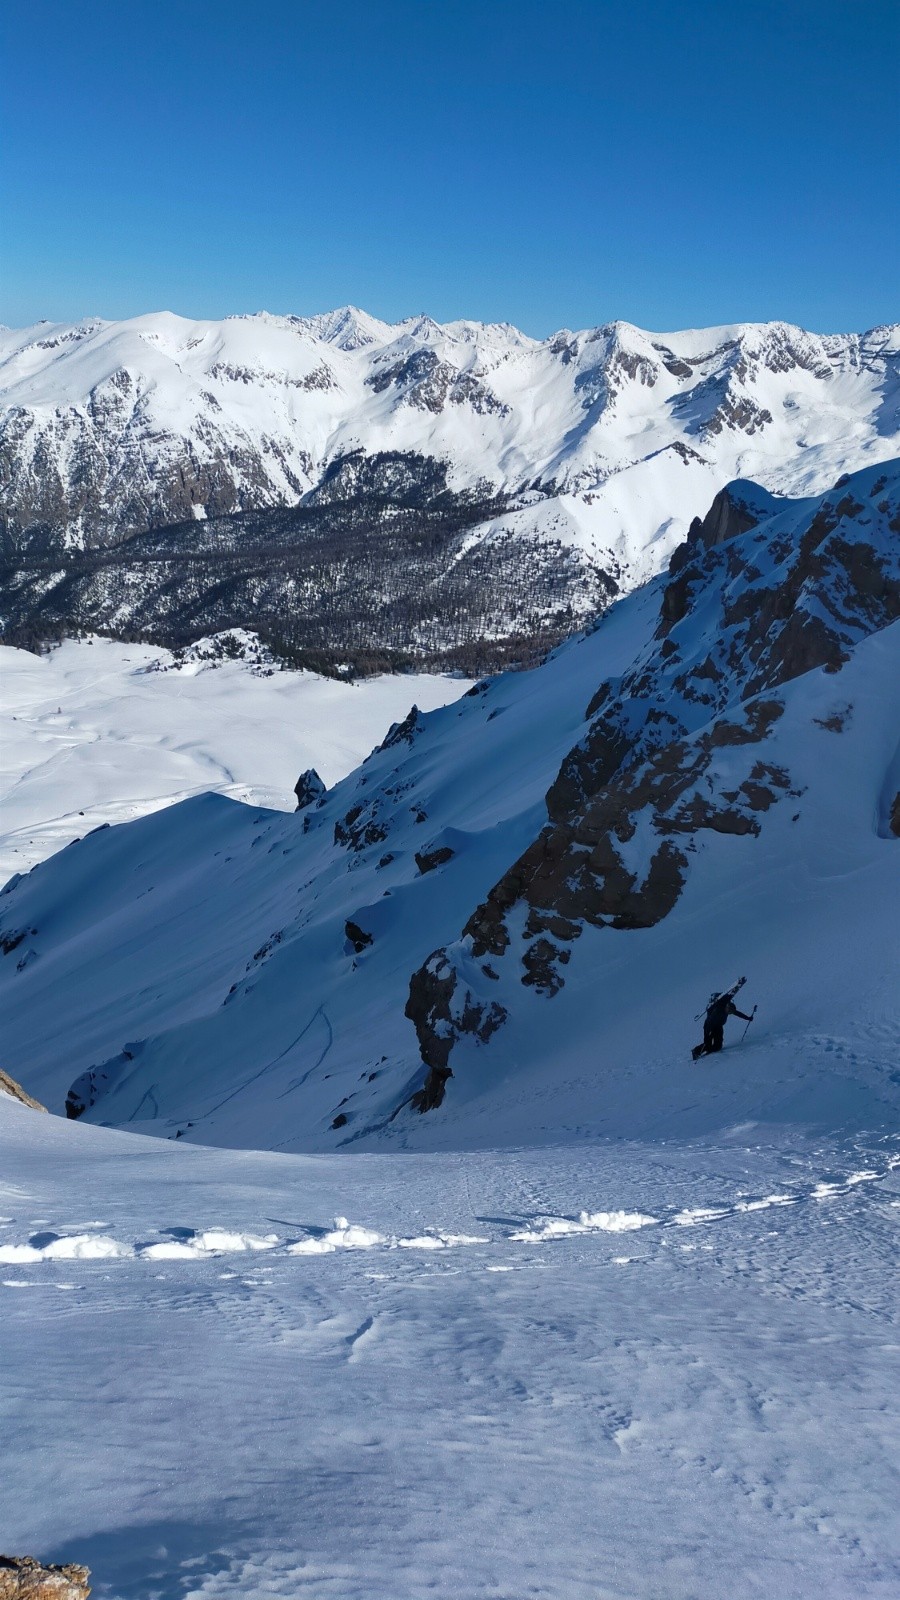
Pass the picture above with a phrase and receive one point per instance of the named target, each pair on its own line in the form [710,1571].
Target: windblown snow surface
[605,1325]
[99,732]
[609,1370]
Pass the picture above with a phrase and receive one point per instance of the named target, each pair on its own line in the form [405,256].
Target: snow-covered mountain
[533,889]
[604,442]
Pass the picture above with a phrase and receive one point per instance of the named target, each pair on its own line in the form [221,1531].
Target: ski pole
[752,1015]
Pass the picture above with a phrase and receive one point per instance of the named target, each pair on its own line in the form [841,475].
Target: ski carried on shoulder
[716,1000]
[735,987]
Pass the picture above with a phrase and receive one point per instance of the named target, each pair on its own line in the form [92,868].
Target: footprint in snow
[184,1244]
[588,1222]
[211,1242]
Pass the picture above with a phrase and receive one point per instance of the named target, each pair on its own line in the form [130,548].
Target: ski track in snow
[185,1244]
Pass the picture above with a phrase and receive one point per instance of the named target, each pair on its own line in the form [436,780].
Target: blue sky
[672,162]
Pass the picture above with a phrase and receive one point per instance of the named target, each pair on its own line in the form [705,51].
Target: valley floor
[612,1371]
[94,733]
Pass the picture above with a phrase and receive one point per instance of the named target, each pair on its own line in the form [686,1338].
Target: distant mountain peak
[112,430]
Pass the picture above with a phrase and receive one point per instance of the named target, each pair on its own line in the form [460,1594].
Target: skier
[720,1008]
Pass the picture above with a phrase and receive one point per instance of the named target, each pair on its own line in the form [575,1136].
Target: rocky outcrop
[362,826]
[442,1009]
[309,788]
[735,510]
[402,732]
[23,1578]
[424,381]
[427,860]
[97,1081]
[9,1086]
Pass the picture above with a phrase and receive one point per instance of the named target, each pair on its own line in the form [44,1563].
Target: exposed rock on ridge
[676,746]
[309,788]
[9,1086]
[23,1578]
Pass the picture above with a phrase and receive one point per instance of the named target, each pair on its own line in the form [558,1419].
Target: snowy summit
[579,459]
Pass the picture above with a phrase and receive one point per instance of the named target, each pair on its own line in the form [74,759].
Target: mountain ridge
[548,474]
[570,411]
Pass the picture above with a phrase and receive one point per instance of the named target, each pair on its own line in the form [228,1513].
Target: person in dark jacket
[720,1008]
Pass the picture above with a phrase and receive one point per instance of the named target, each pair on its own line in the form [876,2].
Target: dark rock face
[432,1092]
[736,509]
[423,380]
[587,768]
[402,732]
[362,826]
[89,1086]
[732,512]
[738,413]
[23,1578]
[427,860]
[442,1009]
[357,936]
[309,788]
[431,991]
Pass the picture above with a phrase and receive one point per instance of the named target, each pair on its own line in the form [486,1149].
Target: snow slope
[594,1371]
[720,761]
[110,428]
[99,732]
[603,1324]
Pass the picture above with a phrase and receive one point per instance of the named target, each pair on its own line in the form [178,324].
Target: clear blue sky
[672,162]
